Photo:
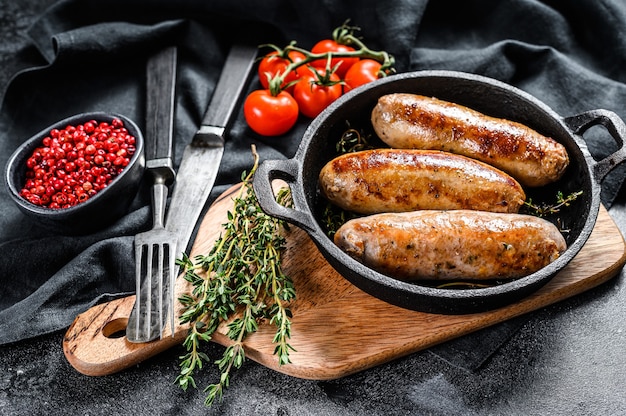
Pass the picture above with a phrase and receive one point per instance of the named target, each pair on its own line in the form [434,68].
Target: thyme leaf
[240,282]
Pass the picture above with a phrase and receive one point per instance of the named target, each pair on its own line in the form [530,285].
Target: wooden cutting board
[337,329]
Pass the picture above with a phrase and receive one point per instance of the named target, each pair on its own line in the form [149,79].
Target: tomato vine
[331,60]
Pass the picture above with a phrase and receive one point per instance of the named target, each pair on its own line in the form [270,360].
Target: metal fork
[155,250]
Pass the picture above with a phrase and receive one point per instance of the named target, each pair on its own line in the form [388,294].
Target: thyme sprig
[353,140]
[544,209]
[334,217]
[240,282]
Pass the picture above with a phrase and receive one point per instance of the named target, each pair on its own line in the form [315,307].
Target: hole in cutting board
[116,328]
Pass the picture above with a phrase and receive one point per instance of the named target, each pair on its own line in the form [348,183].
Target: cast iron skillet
[483,94]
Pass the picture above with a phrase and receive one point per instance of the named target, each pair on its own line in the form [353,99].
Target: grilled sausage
[414,121]
[400,180]
[458,244]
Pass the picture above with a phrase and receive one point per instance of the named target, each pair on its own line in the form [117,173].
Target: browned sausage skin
[458,244]
[400,180]
[415,121]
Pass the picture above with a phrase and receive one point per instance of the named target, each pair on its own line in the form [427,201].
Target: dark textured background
[565,359]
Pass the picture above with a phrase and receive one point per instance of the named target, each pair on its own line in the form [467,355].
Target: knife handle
[233,80]
[160,96]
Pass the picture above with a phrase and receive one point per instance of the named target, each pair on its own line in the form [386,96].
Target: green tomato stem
[344,35]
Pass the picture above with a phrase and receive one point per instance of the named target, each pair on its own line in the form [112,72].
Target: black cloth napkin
[570,54]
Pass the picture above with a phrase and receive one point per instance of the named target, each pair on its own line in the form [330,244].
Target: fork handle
[160,108]
[160,103]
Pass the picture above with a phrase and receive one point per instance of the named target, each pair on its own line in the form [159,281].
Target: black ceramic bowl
[103,208]
[483,94]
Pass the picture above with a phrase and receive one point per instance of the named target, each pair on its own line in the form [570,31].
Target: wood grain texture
[337,329]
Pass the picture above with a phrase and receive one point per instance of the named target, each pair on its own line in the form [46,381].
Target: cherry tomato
[362,72]
[313,98]
[329,45]
[270,115]
[272,64]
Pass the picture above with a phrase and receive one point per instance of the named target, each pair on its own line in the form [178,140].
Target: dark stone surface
[565,359]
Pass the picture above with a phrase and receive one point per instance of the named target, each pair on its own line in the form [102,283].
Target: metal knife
[201,158]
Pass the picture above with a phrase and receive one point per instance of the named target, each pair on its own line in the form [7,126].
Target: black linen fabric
[569,54]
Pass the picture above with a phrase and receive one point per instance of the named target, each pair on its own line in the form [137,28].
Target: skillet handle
[616,128]
[286,170]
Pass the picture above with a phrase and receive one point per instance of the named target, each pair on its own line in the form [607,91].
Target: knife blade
[201,158]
